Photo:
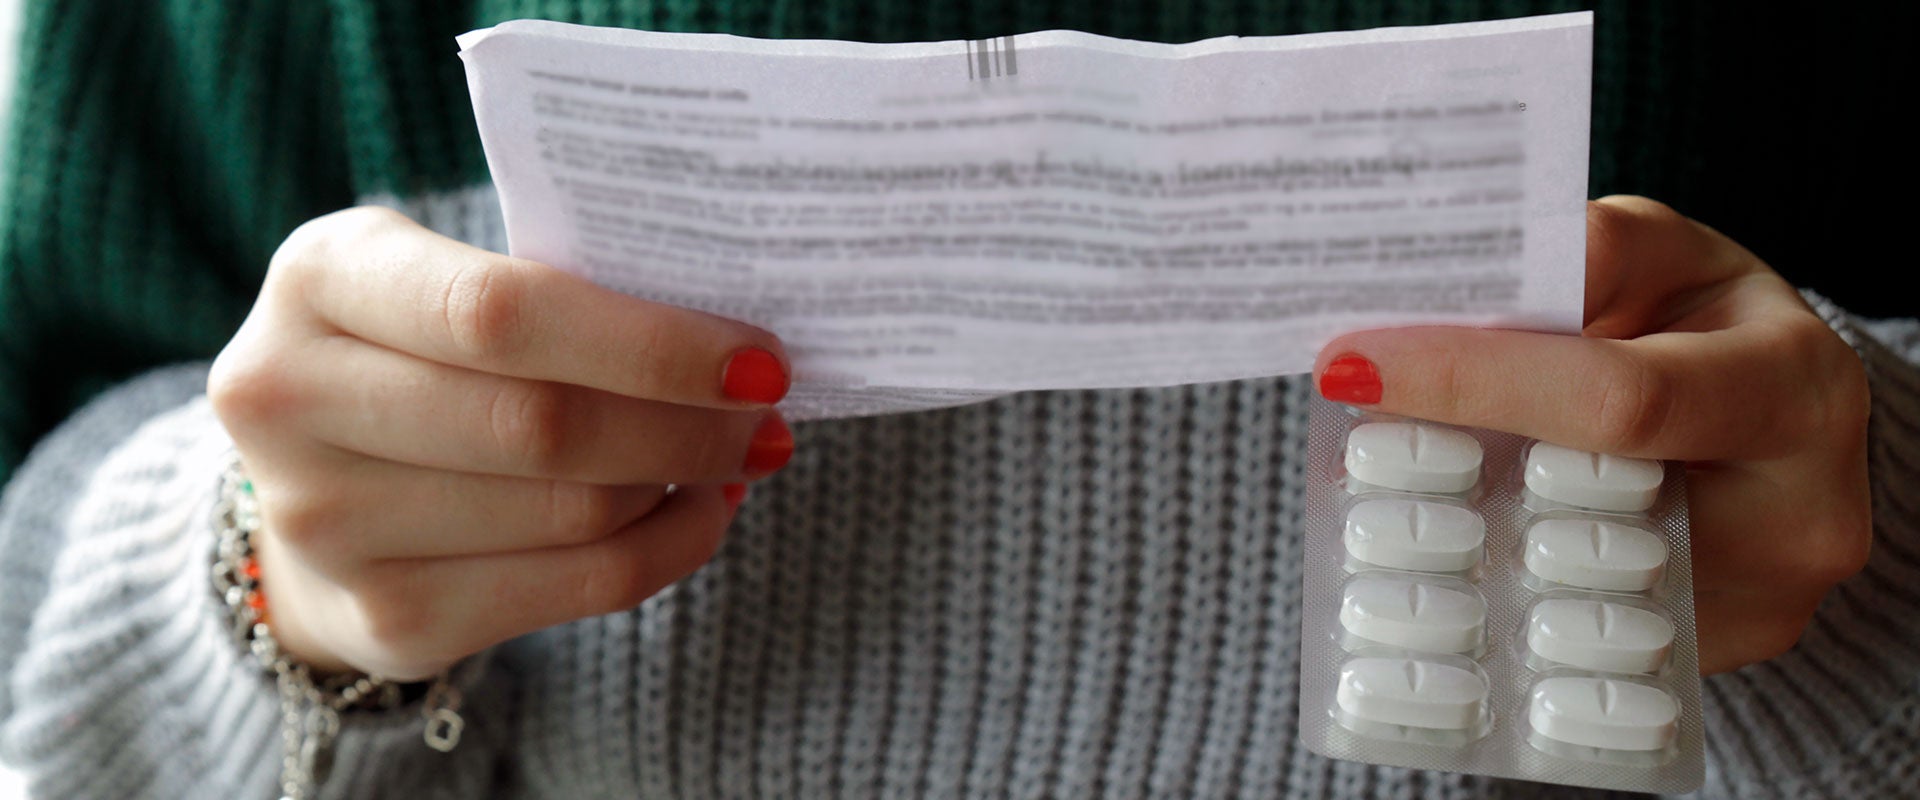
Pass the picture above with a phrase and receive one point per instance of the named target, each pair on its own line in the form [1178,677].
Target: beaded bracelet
[309,710]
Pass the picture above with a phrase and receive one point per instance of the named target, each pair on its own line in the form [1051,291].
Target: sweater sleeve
[1839,714]
[117,676]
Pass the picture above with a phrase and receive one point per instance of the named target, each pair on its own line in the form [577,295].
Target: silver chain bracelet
[309,710]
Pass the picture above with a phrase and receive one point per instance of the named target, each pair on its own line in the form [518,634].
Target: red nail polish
[771,447]
[735,494]
[1350,379]
[754,375]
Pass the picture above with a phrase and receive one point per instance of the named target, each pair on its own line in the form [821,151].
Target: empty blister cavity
[1412,614]
[1598,635]
[1376,695]
[1413,458]
[1399,533]
[1601,713]
[1590,554]
[1592,480]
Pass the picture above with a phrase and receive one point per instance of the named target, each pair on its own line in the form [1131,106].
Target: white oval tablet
[1414,535]
[1596,712]
[1413,458]
[1400,691]
[1595,555]
[1412,615]
[1592,480]
[1601,636]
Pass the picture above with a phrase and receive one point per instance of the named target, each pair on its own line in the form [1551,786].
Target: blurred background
[11,787]
[1788,132]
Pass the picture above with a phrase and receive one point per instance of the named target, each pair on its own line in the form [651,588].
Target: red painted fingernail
[772,445]
[754,375]
[1350,379]
[735,493]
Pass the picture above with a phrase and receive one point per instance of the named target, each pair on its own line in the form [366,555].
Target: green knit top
[160,150]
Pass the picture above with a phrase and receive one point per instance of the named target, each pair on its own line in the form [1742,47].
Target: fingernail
[754,375]
[735,494]
[772,445]
[1350,379]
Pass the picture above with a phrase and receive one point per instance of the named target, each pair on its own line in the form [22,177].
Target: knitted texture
[1071,594]
[162,149]
[1061,594]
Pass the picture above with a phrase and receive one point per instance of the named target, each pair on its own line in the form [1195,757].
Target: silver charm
[309,712]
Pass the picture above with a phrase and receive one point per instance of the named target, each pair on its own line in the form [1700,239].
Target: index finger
[374,274]
[1754,391]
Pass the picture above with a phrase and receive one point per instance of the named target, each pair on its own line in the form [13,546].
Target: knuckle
[315,241]
[715,451]
[1616,222]
[367,219]
[1779,639]
[529,423]
[612,584]
[303,248]
[1829,388]
[1843,546]
[393,613]
[1452,391]
[484,310]
[700,541]
[654,344]
[629,577]
[581,513]
[1852,404]
[247,385]
[1606,223]
[1843,408]
[1603,233]
[1629,210]
[1633,406]
[305,522]
[705,544]
[359,223]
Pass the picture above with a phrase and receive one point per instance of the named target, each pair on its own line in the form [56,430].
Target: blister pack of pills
[1480,602]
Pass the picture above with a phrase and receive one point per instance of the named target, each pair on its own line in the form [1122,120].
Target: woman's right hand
[452,447]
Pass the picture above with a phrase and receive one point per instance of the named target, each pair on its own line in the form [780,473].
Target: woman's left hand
[1694,350]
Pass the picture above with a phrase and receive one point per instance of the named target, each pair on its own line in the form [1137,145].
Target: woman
[1052,594]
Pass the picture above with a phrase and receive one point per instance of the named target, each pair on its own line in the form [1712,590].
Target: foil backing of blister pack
[1504,743]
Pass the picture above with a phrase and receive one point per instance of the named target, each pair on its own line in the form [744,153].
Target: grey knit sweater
[1072,594]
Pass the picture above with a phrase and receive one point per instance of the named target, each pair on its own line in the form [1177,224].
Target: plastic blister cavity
[1603,719]
[1413,613]
[1597,634]
[1478,602]
[1592,480]
[1416,700]
[1412,458]
[1412,534]
[1593,554]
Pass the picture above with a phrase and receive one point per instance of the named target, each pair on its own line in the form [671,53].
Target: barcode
[991,58]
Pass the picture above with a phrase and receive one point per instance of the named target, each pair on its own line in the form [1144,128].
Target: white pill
[1592,480]
[1414,535]
[1413,458]
[1596,712]
[1607,637]
[1412,615]
[1595,555]
[1400,691]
